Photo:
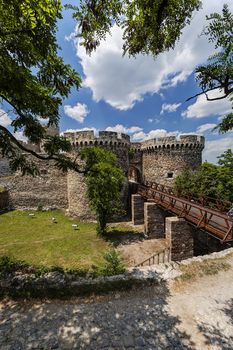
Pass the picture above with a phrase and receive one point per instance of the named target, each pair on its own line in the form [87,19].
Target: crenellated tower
[162,159]
[118,143]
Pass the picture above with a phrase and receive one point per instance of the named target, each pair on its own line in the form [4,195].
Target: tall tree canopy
[150,26]
[218,72]
[33,78]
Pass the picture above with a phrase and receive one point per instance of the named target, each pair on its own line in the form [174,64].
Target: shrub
[8,265]
[113,264]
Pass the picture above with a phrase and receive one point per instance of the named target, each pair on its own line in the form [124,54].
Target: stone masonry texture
[159,160]
[153,221]
[137,209]
[179,235]
[49,189]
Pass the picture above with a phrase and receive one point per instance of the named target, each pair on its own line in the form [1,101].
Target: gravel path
[200,317]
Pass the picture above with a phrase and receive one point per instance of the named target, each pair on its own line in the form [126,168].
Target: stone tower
[118,143]
[161,160]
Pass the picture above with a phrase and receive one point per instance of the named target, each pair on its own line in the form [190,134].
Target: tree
[198,184]
[218,72]
[150,27]
[104,182]
[226,159]
[209,181]
[33,80]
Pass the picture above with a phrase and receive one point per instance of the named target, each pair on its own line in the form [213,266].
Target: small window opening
[170,175]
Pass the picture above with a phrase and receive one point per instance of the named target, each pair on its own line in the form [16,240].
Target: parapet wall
[105,138]
[174,143]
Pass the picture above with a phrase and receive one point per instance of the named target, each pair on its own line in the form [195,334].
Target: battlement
[105,138]
[174,143]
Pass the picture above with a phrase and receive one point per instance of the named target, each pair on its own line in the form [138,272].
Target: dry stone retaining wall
[57,284]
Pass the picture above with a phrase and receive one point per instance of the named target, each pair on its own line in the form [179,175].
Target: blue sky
[143,97]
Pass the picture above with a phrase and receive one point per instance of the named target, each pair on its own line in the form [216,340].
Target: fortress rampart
[105,138]
[171,143]
[159,160]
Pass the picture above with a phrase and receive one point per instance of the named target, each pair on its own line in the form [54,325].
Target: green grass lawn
[39,241]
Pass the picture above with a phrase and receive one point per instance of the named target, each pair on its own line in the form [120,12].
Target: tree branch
[75,166]
[215,98]
[212,99]
[16,31]
[22,147]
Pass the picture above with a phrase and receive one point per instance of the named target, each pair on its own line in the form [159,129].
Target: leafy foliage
[104,182]
[113,264]
[226,124]
[226,159]
[218,72]
[150,27]
[33,78]
[215,181]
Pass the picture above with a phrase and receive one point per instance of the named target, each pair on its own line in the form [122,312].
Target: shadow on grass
[119,236]
[134,320]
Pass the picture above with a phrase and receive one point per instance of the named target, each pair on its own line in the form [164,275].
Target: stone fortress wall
[159,160]
[49,189]
[165,158]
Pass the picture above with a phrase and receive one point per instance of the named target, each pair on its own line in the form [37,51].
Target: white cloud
[167,107]
[141,136]
[203,108]
[215,148]
[77,112]
[122,81]
[5,120]
[122,129]
[150,120]
[205,127]
[20,136]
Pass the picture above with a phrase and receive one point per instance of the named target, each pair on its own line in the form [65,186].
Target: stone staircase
[160,257]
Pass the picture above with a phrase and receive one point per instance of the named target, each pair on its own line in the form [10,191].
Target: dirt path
[205,308]
[197,316]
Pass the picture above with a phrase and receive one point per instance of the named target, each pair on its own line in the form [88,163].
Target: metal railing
[158,258]
[213,203]
[213,221]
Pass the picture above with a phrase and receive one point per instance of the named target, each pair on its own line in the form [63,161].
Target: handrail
[221,205]
[214,222]
[156,255]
